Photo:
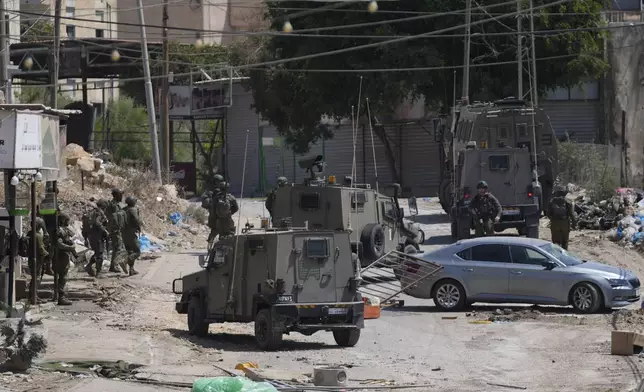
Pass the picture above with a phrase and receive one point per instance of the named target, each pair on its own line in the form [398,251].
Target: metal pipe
[34,247]
[519,53]
[466,62]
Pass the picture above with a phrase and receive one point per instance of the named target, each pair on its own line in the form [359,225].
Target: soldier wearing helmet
[116,224]
[270,199]
[66,254]
[131,233]
[36,261]
[561,212]
[95,233]
[206,198]
[222,208]
[485,209]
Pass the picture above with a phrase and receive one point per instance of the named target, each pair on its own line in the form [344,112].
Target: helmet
[101,203]
[92,199]
[282,181]
[116,191]
[481,184]
[217,179]
[130,201]
[40,223]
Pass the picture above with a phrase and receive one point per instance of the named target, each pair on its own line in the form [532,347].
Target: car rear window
[499,162]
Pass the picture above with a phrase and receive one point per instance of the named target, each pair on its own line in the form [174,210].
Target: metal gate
[393,273]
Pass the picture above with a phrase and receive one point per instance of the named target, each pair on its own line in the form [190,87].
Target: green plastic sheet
[230,384]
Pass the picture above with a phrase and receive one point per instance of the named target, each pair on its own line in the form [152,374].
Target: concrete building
[217,19]
[102,15]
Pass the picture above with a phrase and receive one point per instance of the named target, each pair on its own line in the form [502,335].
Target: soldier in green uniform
[95,231]
[562,215]
[66,254]
[485,209]
[116,220]
[207,203]
[206,198]
[222,208]
[41,250]
[131,233]
[270,199]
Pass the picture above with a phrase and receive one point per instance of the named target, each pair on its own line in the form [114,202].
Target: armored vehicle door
[501,171]
[219,277]
[390,221]
[313,261]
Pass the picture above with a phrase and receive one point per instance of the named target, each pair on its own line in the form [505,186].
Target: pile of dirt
[89,177]
[508,315]
[628,320]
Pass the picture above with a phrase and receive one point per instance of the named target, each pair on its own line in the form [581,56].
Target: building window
[70,3]
[70,12]
[99,33]
[71,31]
[100,15]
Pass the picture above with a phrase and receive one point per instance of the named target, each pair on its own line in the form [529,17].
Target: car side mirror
[203,261]
[549,264]
[413,206]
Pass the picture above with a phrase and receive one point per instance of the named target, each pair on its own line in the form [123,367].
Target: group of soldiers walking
[104,223]
[486,211]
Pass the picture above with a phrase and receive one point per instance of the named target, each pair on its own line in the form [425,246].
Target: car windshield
[563,255]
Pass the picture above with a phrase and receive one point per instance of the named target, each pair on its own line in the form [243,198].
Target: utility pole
[148,95]
[519,52]
[4,46]
[165,115]
[55,56]
[535,91]
[466,69]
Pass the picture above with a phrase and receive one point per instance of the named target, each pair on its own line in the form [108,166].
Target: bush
[590,166]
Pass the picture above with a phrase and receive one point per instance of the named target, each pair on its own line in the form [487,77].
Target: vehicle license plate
[637,292]
[285,298]
[336,311]
[511,211]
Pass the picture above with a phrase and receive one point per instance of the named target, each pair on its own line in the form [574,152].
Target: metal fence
[596,167]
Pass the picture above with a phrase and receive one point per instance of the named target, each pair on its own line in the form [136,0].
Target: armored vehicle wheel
[373,242]
[463,230]
[197,324]
[454,231]
[267,333]
[346,337]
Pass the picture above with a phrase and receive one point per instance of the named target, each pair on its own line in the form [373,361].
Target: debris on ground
[508,315]
[20,346]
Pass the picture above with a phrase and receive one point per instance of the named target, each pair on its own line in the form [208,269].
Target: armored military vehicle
[508,123]
[290,280]
[509,176]
[320,203]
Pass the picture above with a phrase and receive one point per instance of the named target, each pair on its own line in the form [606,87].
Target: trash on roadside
[176,218]
[230,384]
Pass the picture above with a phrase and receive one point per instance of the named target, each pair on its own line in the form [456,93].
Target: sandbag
[230,384]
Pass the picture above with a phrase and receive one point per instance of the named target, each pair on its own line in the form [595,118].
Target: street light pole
[165,115]
[149,97]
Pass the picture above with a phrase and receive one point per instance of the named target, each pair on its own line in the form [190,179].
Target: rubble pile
[91,176]
[20,346]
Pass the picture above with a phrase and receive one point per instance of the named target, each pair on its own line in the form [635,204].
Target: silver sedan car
[519,270]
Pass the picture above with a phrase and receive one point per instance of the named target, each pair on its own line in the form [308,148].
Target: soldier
[270,199]
[66,254]
[41,251]
[116,220]
[206,198]
[223,207]
[486,210]
[95,231]
[131,233]
[562,215]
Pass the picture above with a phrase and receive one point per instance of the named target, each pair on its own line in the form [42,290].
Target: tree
[128,130]
[296,101]
[40,30]
[39,94]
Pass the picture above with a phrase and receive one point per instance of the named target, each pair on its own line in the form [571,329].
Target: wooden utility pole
[165,110]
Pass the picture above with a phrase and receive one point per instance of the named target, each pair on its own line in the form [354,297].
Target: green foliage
[295,101]
[589,166]
[28,94]
[41,30]
[128,130]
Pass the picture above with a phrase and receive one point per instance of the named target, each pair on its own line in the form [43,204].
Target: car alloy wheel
[582,298]
[448,296]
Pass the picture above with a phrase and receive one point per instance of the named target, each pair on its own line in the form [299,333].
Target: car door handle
[468,269]
[515,272]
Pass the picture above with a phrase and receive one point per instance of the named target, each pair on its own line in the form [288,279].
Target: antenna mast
[519,52]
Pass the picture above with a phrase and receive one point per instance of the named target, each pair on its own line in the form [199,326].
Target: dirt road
[133,319]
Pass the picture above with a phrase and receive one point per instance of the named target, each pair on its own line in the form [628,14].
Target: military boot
[133,271]
[124,267]
[62,301]
[115,268]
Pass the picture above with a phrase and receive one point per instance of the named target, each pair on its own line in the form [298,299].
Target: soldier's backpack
[118,220]
[558,208]
[23,246]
